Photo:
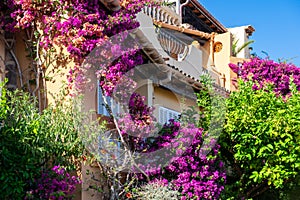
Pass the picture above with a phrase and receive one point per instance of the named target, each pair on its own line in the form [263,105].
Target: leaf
[270,146]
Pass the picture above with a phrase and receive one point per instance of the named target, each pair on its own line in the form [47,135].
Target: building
[181,42]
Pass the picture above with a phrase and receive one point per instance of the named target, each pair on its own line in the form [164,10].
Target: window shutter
[166,114]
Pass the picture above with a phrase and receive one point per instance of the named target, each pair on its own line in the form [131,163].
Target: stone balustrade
[163,14]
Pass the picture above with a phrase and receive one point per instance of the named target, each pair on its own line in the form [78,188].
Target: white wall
[239,33]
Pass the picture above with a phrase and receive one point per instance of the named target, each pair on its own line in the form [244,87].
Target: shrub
[31,141]
[193,173]
[261,142]
[155,191]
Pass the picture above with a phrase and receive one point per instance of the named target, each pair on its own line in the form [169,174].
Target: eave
[205,16]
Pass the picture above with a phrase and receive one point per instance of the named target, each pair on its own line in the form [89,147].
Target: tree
[261,135]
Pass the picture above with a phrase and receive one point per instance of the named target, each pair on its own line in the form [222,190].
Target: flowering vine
[195,175]
[263,71]
[79,26]
[56,184]
[82,27]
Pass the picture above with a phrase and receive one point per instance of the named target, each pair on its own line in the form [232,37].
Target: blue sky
[276,23]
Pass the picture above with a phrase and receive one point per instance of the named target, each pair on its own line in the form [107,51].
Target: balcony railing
[173,46]
[163,14]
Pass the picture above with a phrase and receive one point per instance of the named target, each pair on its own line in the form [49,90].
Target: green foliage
[261,143]
[31,141]
[212,108]
[3,103]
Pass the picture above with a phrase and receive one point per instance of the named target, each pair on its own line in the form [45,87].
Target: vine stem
[37,80]
[16,60]
[127,150]
[121,137]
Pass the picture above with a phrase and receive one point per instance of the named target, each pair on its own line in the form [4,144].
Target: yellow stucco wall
[222,58]
[168,99]
[93,183]
[206,58]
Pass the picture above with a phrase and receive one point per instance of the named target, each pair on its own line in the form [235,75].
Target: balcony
[163,14]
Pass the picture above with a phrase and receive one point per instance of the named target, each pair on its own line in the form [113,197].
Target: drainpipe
[212,41]
[181,8]
[223,78]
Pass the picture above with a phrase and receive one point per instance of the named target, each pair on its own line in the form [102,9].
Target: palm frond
[236,50]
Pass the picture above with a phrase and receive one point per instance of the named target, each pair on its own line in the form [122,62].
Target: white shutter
[166,114]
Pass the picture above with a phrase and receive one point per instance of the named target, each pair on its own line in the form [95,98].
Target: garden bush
[155,191]
[31,142]
[261,143]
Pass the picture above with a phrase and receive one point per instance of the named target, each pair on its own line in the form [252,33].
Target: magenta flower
[264,72]
[55,184]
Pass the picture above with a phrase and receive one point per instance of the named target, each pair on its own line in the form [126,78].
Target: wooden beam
[201,16]
[207,21]
[191,5]
[196,11]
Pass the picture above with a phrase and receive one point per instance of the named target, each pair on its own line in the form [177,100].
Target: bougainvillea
[263,71]
[56,184]
[79,26]
[175,154]
[139,121]
[195,175]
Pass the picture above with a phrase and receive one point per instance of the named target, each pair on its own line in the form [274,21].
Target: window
[115,107]
[166,114]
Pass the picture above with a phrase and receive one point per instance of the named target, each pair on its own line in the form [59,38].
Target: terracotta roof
[183,30]
[197,84]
